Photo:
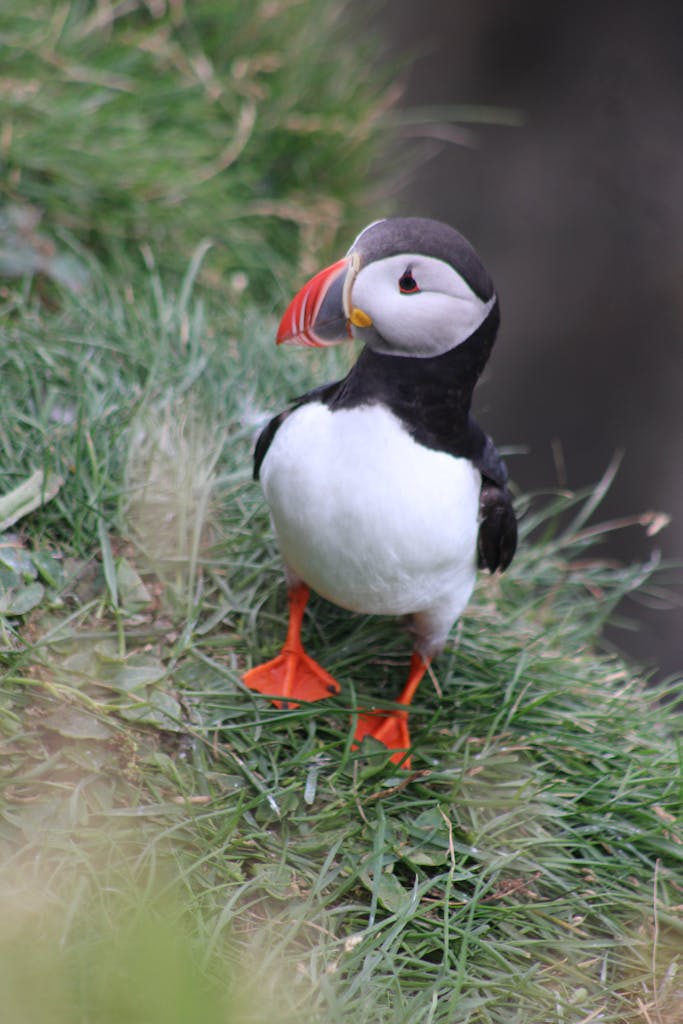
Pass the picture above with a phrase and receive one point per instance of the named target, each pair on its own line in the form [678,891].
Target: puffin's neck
[432,395]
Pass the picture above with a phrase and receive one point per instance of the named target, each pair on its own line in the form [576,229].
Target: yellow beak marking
[359,319]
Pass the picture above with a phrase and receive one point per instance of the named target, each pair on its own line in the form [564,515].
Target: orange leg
[391,727]
[292,676]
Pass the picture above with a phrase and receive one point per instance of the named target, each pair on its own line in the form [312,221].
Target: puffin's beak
[321,314]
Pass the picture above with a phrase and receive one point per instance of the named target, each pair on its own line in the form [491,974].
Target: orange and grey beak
[321,313]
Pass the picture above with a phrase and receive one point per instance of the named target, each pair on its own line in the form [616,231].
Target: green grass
[529,870]
[174,848]
[160,124]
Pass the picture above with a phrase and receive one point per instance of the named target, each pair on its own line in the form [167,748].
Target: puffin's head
[408,286]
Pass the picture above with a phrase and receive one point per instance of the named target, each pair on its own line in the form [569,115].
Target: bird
[385,494]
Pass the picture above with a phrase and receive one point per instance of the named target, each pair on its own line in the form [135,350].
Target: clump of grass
[169,495]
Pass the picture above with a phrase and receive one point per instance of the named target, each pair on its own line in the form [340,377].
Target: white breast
[369,518]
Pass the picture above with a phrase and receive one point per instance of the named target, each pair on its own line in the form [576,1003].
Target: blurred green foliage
[163,123]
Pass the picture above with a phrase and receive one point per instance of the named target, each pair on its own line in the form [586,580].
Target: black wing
[324,393]
[497,540]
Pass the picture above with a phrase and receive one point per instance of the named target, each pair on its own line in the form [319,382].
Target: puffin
[385,495]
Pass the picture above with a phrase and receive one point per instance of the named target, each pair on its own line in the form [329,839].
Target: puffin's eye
[407,284]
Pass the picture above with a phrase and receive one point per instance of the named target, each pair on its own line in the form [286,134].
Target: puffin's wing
[324,393]
[497,540]
[264,440]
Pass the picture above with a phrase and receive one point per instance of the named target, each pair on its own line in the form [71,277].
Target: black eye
[407,284]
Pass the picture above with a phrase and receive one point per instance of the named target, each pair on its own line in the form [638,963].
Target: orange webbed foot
[391,727]
[293,675]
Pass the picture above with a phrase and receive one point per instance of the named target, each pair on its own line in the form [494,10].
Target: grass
[175,848]
[530,868]
[161,124]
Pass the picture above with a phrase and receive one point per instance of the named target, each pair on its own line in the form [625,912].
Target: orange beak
[316,315]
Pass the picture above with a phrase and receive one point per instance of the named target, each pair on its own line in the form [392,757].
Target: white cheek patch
[448,322]
[443,314]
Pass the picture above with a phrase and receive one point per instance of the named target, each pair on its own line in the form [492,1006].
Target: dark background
[578,214]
